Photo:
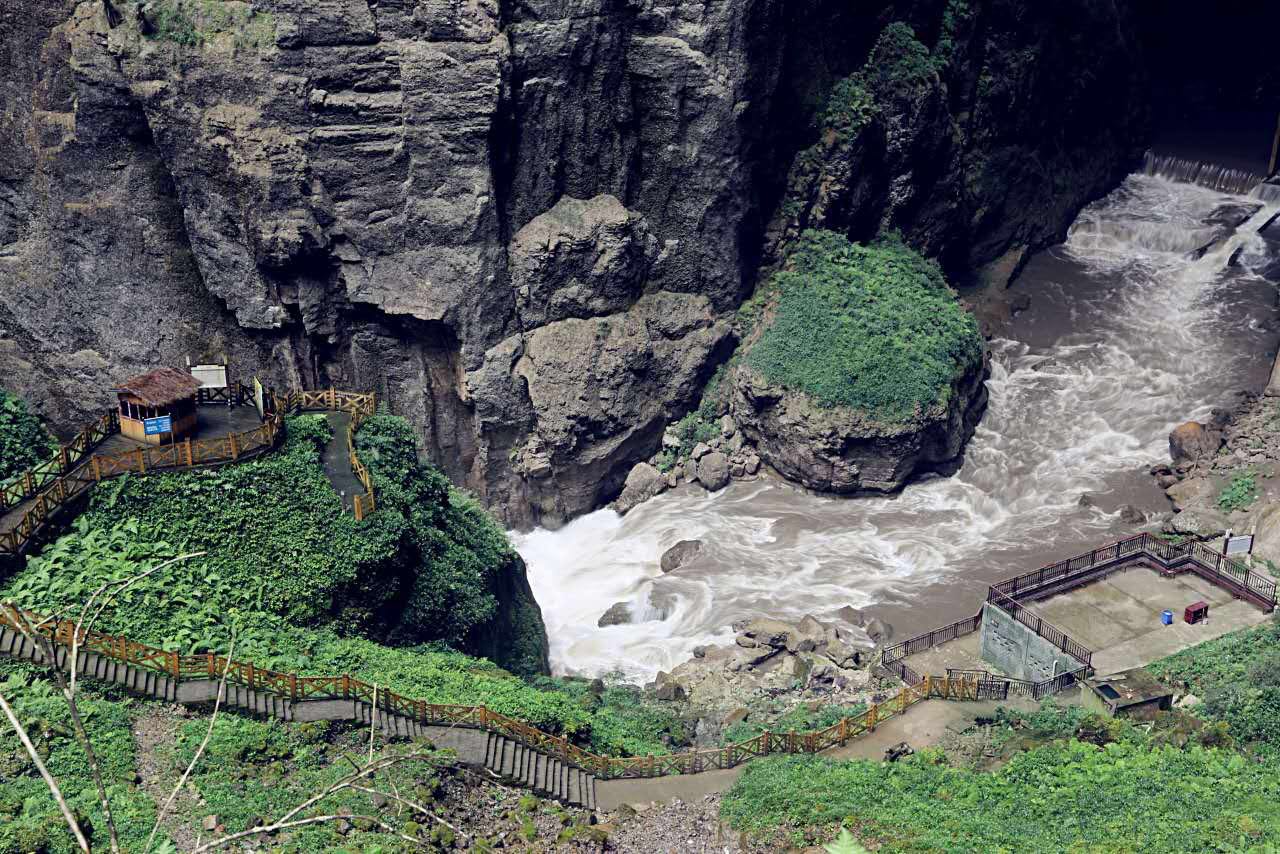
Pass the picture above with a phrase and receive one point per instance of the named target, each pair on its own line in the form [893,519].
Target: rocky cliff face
[524,225]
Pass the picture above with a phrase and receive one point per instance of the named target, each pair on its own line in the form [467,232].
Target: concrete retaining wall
[1019,652]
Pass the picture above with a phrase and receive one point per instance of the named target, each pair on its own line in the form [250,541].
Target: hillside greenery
[304,588]
[874,328]
[29,818]
[1122,791]
[23,439]
[425,567]
[1237,678]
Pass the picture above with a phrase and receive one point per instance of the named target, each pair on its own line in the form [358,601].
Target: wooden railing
[81,475]
[359,405]
[296,688]
[28,483]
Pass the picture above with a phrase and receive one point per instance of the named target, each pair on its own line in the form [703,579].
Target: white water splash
[1127,337]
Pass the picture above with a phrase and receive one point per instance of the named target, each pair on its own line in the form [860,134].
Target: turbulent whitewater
[1154,310]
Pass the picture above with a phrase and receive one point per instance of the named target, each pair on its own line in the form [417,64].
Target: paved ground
[1119,618]
[337,466]
[959,654]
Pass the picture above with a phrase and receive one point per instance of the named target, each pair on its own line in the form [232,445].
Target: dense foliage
[1126,795]
[23,439]
[193,23]
[1240,493]
[189,607]
[1237,676]
[29,818]
[276,539]
[874,328]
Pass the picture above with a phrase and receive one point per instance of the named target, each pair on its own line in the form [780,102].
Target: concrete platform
[1119,617]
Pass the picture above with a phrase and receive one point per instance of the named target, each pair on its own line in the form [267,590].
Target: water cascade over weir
[1205,174]
[1152,312]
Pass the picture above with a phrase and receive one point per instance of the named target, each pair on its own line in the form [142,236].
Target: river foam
[1138,322]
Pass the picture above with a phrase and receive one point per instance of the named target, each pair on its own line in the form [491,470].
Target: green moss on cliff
[23,439]
[873,328]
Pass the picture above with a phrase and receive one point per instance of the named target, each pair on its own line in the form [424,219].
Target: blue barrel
[1166,617]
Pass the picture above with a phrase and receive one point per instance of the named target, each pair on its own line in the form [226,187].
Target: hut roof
[160,387]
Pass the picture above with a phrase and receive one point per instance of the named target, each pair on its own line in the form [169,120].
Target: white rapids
[1134,327]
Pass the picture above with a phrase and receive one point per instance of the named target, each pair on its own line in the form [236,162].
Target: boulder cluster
[1221,474]
[809,660]
[711,464]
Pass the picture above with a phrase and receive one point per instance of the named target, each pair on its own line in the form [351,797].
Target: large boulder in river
[619,614]
[1192,441]
[713,471]
[643,482]
[680,554]
[846,450]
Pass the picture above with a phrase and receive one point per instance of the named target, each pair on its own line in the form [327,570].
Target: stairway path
[336,461]
[506,757]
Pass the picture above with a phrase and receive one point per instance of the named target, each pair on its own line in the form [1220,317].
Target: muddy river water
[1131,330]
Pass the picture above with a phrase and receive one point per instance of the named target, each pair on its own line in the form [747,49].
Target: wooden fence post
[188,443]
[173,665]
[97,470]
[62,456]
[231,440]
[293,687]
[142,462]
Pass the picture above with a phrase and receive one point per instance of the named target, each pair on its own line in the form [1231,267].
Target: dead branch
[44,772]
[213,719]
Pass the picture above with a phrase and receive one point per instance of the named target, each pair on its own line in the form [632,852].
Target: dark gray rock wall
[339,192]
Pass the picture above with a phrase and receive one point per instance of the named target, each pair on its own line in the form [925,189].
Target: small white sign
[1241,545]
[210,376]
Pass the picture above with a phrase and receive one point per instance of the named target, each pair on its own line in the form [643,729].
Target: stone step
[531,768]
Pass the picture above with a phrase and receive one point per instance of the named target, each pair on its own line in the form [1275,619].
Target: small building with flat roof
[1131,694]
[158,406]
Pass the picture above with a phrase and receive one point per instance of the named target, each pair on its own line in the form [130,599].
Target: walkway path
[337,462]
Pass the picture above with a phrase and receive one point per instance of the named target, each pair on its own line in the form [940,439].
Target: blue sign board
[156,426]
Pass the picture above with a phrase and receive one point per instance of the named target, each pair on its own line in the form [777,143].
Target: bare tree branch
[44,772]
[217,704]
[77,722]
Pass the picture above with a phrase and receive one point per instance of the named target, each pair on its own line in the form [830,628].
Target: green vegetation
[899,64]
[1240,493]
[426,567]
[23,439]
[1237,676]
[1127,793]
[850,107]
[194,23]
[29,818]
[873,328]
[799,719]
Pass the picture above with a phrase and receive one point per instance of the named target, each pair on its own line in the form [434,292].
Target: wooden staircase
[506,757]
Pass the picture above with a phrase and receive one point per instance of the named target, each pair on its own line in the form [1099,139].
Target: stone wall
[1019,652]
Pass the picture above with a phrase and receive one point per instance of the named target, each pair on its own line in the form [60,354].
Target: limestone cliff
[525,225]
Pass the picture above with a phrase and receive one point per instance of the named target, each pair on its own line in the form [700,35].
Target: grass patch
[29,818]
[799,719]
[23,440]
[1240,493]
[873,328]
[1237,677]
[1068,796]
[194,23]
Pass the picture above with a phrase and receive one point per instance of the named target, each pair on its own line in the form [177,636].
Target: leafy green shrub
[898,64]
[23,439]
[850,107]
[798,719]
[426,566]
[1240,493]
[1238,678]
[192,23]
[1066,796]
[873,328]
[29,818]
